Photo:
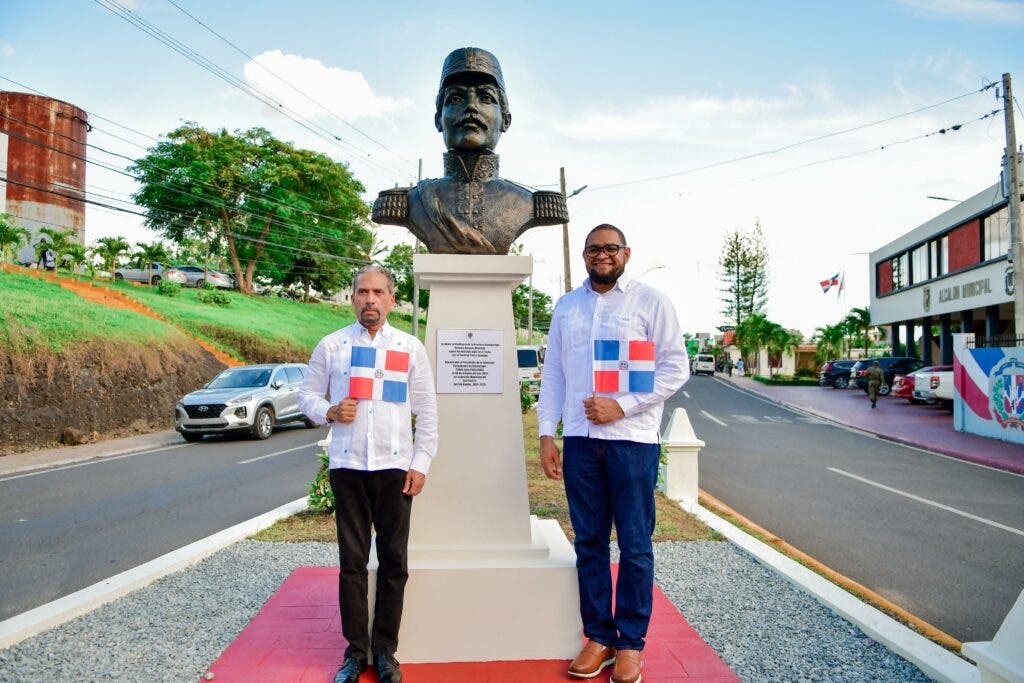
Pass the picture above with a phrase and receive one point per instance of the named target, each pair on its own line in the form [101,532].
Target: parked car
[530,359]
[906,386]
[891,366]
[159,272]
[835,374]
[704,362]
[196,275]
[936,385]
[252,398]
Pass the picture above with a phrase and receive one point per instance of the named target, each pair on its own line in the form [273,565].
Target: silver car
[195,276]
[252,398]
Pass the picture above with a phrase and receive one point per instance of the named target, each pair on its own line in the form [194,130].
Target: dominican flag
[623,366]
[830,283]
[379,374]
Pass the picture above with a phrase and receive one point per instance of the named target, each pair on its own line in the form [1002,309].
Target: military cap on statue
[471,60]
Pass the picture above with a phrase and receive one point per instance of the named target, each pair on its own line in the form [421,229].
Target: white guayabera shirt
[380,437]
[628,311]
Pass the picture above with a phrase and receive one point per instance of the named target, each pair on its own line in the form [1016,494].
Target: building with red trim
[950,274]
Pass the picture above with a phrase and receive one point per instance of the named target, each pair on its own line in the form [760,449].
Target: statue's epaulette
[549,208]
[391,206]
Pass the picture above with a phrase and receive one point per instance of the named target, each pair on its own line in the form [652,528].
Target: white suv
[704,362]
[252,398]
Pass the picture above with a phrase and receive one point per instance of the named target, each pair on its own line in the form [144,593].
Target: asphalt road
[940,537]
[68,527]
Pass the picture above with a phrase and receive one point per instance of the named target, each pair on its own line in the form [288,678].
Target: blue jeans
[608,481]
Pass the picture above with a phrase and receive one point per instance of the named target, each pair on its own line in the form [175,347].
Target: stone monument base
[498,608]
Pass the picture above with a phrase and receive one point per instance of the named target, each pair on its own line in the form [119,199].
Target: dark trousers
[606,482]
[362,499]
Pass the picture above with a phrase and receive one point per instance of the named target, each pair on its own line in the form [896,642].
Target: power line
[253,60]
[791,145]
[212,67]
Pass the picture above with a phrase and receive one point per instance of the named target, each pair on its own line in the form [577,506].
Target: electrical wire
[290,85]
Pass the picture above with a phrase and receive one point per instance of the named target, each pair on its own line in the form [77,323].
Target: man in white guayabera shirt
[378,378]
[615,354]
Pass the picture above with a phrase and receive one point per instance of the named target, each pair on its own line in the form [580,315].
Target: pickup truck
[160,272]
[935,386]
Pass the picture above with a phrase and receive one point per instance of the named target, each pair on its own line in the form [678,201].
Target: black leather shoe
[387,669]
[350,670]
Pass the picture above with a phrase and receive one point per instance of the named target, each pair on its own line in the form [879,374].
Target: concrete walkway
[896,419]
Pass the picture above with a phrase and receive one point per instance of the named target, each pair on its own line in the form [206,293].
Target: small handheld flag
[623,366]
[829,283]
[379,374]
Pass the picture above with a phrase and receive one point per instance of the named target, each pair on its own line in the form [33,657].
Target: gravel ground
[172,630]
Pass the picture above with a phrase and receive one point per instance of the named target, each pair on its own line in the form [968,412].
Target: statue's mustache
[465,120]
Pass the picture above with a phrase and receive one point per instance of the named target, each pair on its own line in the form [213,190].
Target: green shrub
[806,372]
[168,288]
[786,381]
[321,497]
[526,399]
[213,296]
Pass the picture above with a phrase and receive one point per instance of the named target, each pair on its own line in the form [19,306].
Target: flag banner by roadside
[379,374]
[829,283]
[623,366]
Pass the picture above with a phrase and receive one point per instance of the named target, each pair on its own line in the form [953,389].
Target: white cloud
[344,93]
[995,11]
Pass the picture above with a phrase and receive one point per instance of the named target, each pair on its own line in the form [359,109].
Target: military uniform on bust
[470,210]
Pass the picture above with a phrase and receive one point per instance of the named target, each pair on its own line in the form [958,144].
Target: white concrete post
[681,473]
[1001,660]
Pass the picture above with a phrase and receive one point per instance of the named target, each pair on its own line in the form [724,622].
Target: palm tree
[110,249]
[829,339]
[148,253]
[751,335]
[859,320]
[12,237]
[75,256]
[780,340]
[60,240]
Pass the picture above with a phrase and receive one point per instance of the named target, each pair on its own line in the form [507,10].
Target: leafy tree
[109,250]
[743,274]
[521,307]
[270,203]
[399,262]
[60,241]
[858,320]
[147,253]
[12,238]
[830,340]
[779,341]
[751,334]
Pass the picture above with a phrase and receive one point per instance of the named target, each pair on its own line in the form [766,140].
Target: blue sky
[613,92]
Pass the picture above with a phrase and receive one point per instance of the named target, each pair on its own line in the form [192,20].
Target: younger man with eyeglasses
[615,353]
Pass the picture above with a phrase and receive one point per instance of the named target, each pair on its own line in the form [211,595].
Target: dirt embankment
[102,389]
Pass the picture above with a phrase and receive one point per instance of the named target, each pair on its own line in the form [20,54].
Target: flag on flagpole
[623,366]
[842,285]
[829,283]
[379,374]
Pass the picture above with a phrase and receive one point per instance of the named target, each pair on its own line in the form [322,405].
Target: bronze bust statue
[470,210]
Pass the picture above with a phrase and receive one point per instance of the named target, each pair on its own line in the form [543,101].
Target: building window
[919,264]
[996,234]
[899,271]
[938,257]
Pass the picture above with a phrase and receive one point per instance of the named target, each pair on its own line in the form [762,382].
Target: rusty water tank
[42,165]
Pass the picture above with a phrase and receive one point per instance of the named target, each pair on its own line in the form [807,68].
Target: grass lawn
[547,501]
[36,314]
[255,329]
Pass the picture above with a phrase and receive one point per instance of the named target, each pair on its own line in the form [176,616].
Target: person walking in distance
[378,377]
[875,378]
[615,354]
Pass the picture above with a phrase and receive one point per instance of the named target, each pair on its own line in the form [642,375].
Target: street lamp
[945,199]
[652,268]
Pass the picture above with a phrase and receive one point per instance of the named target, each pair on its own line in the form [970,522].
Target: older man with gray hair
[377,378]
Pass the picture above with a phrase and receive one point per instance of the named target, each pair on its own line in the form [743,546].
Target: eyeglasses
[610,249]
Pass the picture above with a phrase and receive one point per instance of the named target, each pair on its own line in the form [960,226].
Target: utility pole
[416,285]
[529,309]
[565,239]
[1013,204]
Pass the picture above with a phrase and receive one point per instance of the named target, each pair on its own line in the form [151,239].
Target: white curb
[44,617]
[935,661]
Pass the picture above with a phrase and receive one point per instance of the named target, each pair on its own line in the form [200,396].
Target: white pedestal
[683,447]
[487,582]
[1001,660]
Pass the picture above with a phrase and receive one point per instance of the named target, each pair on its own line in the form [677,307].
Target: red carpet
[296,637]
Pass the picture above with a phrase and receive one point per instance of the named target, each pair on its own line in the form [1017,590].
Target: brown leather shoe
[627,666]
[592,658]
